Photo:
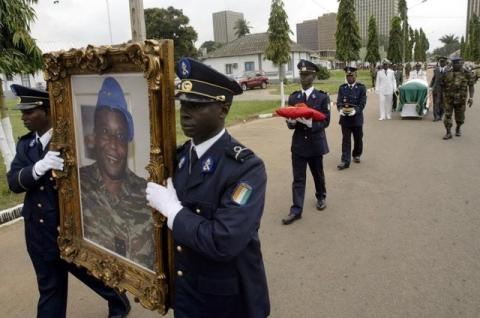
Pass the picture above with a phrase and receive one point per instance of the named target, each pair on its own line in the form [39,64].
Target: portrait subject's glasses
[116,136]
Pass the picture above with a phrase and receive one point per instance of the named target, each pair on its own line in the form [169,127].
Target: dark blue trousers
[347,133]
[299,165]
[52,279]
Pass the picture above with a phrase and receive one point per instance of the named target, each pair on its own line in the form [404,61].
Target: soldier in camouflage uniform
[455,85]
[115,214]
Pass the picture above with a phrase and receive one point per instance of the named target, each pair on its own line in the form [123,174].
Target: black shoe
[127,307]
[321,204]
[291,218]
[458,132]
[356,159]
[343,165]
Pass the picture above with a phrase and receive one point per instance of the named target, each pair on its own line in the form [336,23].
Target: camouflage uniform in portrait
[455,84]
[114,208]
[122,224]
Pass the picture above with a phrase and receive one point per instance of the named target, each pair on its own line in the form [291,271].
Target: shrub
[323,73]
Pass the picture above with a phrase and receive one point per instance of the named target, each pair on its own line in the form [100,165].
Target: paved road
[399,237]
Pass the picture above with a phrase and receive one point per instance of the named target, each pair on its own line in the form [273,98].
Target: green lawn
[7,198]
[239,111]
[337,78]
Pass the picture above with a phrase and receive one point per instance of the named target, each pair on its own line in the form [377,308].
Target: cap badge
[185,68]
[187,86]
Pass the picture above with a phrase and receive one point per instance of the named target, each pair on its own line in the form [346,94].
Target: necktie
[385,72]
[304,97]
[193,159]
[39,147]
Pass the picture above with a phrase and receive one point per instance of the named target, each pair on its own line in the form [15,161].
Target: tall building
[318,34]
[224,24]
[307,34]
[473,7]
[382,10]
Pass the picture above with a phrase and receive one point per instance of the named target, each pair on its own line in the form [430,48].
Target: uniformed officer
[31,173]
[309,142]
[398,72]
[351,100]
[436,86]
[214,205]
[455,84]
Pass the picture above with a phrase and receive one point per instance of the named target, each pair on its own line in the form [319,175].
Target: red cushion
[300,110]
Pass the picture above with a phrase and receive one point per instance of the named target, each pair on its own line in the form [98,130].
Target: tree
[19,54]
[241,28]
[451,45]
[394,53]
[418,46]
[210,46]
[425,45]
[373,54]
[403,11]
[278,46]
[473,42]
[410,43]
[463,47]
[171,23]
[347,35]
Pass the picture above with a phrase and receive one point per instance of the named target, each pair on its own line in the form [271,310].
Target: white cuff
[34,173]
[171,217]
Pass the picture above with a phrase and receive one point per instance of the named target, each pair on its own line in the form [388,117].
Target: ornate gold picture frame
[113,110]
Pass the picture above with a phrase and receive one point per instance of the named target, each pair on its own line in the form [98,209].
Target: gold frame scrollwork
[155,59]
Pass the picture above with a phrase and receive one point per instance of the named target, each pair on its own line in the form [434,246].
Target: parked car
[252,80]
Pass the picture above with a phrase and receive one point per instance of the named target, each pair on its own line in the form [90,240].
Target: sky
[63,24]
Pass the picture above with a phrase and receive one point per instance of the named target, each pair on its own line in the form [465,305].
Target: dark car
[252,80]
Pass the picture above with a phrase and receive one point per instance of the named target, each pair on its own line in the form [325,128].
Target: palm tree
[242,27]
[449,39]
[19,54]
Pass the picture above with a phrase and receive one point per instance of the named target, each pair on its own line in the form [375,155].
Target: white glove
[291,121]
[164,200]
[52,160]
[352,113]
[306,121]
[342,113]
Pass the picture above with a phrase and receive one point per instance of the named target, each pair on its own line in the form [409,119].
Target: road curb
[10,215]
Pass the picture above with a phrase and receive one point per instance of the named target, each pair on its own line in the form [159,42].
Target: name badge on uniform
[181,163]
[241,194]
[208,165]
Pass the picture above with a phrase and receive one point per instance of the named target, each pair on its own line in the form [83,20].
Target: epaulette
[239,152]
[320,91]
[26,136]
[182,147]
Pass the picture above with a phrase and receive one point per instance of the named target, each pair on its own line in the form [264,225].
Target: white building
[247,53]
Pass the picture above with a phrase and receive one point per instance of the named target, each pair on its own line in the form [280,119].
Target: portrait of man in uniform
[114,211]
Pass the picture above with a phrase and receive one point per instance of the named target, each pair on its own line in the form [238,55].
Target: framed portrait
[114,122]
